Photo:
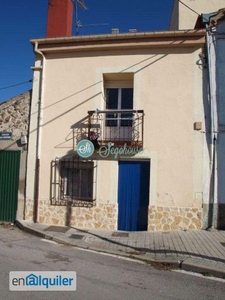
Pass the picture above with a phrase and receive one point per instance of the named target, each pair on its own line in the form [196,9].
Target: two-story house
[117,130]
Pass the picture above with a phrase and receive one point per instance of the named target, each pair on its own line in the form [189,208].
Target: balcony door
[118,126]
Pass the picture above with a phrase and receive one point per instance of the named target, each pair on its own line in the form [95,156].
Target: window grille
[72,181]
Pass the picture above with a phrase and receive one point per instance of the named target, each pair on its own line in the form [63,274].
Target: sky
[23,20]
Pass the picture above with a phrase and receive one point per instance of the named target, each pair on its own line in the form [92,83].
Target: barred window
[72,179]
[77,180]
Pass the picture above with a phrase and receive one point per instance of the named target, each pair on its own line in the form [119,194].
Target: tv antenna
[80,3]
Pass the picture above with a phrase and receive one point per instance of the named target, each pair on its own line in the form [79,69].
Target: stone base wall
[174,218]
[102,215]
[29,210]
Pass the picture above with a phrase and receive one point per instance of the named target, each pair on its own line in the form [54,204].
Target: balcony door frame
[118,132]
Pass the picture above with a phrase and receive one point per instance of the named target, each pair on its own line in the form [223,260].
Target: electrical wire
[200,15]
[189,7]
[193,10]
[11,86]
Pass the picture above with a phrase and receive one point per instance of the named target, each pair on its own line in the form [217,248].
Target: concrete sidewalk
[198,251]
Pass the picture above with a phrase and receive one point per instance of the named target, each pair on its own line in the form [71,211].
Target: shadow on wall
[157,57]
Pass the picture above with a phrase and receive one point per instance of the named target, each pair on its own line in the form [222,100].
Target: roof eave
[181,38]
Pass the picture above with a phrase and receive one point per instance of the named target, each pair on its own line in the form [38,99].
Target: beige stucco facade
[184,15]
[168,87]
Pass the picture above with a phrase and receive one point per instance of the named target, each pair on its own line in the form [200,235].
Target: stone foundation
[29,214]
[174,218]
[102,215]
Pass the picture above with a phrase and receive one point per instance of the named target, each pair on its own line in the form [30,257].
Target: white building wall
[184,18]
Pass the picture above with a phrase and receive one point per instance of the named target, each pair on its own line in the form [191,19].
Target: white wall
[184,18]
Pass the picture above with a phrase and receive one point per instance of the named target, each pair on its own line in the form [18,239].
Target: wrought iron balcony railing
[120,127]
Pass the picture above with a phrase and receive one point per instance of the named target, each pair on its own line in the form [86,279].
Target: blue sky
[22,20]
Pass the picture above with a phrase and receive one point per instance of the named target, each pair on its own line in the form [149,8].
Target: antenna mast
[82,5]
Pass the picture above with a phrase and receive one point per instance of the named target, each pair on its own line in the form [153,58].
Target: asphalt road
[99,277]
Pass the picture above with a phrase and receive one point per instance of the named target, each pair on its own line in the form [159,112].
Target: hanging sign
[109,149]
[85,149]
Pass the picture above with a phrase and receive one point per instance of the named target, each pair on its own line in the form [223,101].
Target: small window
[77,180]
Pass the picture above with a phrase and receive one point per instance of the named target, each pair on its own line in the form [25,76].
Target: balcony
[119,127]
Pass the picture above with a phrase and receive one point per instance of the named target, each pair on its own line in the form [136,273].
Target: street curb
[205,270]
[33,231]
[166,263]
[182,263]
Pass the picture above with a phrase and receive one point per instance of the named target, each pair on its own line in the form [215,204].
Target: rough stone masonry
[14,115]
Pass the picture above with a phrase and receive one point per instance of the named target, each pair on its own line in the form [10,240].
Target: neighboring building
[14,119]
[139,100]
[215,45]
[212,18]
[184,14]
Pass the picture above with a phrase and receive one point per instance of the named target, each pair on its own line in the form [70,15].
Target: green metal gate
[9,181]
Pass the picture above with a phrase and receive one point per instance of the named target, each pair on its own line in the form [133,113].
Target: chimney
[60,18]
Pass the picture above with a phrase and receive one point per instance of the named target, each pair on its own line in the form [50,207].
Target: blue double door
[133,195]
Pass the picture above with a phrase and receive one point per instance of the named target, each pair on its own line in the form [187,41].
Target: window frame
[67,175]
[116,118]
[57,178]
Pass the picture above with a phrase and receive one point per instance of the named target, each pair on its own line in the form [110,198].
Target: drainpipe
[39,125]
[213,136]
